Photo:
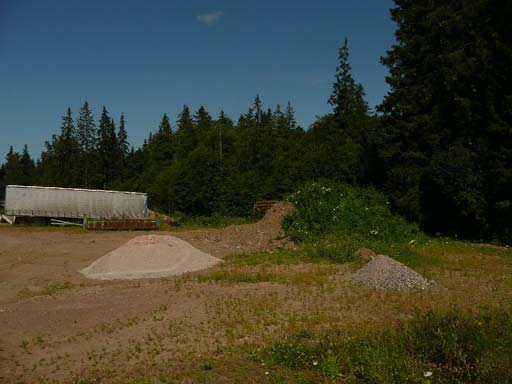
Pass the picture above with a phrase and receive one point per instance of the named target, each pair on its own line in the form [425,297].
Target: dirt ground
[56,325]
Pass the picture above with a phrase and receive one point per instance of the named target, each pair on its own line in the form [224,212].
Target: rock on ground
[384,272]
[365,254]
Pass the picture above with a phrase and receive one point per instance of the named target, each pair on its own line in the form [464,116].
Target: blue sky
[145,58]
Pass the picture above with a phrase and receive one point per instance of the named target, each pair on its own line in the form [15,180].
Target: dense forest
[439,145]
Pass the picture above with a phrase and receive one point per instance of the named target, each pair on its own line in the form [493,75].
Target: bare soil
[265,235]
[58,326]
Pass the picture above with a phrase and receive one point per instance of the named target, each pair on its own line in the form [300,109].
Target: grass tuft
[442,346]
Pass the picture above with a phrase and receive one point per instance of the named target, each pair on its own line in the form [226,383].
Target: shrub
[344,211]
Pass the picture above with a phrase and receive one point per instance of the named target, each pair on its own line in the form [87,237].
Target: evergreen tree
[204,125]
[336,142]
[60,163]
[122,139]
[27,166]
[451,86]
[14,168]
[163,143]
[347,96]
[185,134]
[87,138]
[290,116]
[68,152]
[107,151]
[257,109]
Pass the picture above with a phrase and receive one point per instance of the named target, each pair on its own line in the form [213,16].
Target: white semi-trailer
[53,202]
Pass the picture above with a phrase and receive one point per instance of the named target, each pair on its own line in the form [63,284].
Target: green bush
[341,212]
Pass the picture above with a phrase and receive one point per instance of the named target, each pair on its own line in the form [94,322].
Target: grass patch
[214,221]
[331,250]
[231,276]
[304,253]
[444,246]
[446,347]
[51,289]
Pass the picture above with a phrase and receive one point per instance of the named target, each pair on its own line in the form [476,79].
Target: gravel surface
[384,272]
[149,256]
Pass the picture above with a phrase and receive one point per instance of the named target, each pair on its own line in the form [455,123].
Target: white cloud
[210,18]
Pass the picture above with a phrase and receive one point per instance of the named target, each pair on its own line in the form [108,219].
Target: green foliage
[87,137]
[345,212]
[215,220]
[19,169]
[445,143]
[107,151]
[330,251]
[452,188]
[441,148]
[347,96]
[442,346]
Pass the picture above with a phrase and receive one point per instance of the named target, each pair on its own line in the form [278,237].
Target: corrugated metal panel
[73,203]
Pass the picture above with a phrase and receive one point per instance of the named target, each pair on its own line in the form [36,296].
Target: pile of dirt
[265,235]
[149,256]
[163,218]
[384,272]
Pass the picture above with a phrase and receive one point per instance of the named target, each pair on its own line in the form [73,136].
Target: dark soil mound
[265,235]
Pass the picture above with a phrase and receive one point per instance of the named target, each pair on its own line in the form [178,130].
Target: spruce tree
[257,109]
[87,138]
[67,151]
[27,167]
[107,151]
[336,142]
[290,116]
[122,139]
[347,96]
[204,127]
[13,169]
[163,143]
[185,133]
[449,102]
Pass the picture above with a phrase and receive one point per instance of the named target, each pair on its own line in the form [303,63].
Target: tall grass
[440,347]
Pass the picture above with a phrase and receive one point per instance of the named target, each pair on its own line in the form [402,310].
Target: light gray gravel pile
[384,272]
[149,256]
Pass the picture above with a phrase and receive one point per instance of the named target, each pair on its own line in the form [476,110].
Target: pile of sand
[384,272]
[264,236]
[149,256]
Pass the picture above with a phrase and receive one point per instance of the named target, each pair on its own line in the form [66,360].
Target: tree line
[440,144]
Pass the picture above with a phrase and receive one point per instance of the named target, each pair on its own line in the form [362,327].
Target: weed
[449,345]
[235,277]
[50,290]
[207,366]
[329,364]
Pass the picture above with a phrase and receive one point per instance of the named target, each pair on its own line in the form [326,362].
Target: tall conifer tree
[87,138]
